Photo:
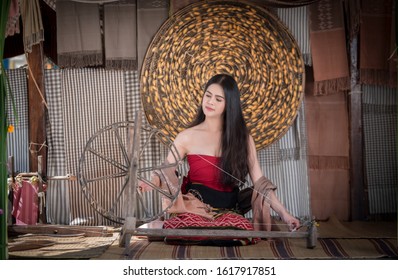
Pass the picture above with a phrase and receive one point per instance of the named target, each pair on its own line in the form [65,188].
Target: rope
[229,174]
[34,81]
[37,144]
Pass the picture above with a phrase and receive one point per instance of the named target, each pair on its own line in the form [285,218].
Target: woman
[221,153]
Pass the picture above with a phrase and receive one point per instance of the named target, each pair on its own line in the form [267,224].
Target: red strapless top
[203,170]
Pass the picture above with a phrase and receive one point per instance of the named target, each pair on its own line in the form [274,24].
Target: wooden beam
[37,109]
[311,234]
[89,231]
[359,204]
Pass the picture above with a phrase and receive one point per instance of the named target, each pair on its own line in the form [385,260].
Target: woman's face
[213,103]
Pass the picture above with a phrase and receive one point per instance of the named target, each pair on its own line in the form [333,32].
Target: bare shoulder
[185,137]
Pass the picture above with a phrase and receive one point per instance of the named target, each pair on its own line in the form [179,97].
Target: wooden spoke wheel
[105,176]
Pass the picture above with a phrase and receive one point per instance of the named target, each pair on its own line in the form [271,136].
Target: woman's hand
[292,222]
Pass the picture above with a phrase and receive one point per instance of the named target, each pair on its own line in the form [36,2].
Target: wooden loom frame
[129,228]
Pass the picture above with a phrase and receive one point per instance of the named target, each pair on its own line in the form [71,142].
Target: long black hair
[234,149]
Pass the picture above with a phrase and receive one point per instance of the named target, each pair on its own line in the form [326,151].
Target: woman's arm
[256,173]
[180,146]
[179,151]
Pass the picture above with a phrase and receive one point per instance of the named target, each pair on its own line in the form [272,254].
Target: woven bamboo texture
[236,38]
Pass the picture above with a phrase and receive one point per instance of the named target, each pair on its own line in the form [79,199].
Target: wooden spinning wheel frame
[108,156]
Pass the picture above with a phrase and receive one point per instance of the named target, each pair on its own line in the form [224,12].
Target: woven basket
[212,37]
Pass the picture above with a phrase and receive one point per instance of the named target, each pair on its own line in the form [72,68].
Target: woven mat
[333,228]
[336,240]
[55,247]
[326,248]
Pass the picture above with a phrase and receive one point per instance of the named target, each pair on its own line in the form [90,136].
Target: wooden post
[359,207]
[134,154]
[37,109]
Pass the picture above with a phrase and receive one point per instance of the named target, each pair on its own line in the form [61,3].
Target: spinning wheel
[115,156]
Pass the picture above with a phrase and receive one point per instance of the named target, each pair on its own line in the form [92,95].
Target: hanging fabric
[377,62]
[57,202]
[17,141]
[74,94]
[328,47]
[33,31]
[296,20]
[120,38]
[78,34]
[150,16]
[26,202]
[379,119]
[328,153]
[86,96]
[13,19]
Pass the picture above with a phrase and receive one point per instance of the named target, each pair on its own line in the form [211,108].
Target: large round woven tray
[211,37]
